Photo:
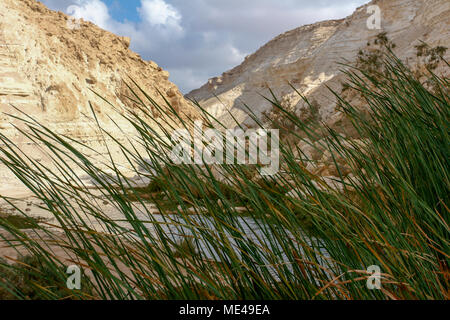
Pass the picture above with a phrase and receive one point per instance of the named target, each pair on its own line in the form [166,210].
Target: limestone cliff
[49,70]
[308,58]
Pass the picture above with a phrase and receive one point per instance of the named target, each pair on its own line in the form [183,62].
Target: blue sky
[123,10]
[199,39]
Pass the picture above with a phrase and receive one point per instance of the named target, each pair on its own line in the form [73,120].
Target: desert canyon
[54,75]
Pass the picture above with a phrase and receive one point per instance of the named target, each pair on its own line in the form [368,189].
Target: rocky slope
[308,58]
[48,68]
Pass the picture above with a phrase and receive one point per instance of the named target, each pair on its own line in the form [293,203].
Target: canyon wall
[308,59]
[51,68]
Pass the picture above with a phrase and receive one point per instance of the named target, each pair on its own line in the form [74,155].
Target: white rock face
[49,70]
[308,58]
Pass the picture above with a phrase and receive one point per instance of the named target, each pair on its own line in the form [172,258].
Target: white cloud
[159,13]
[236,55]
[94,11]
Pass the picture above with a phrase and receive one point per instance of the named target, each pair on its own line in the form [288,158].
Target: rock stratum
[308,59]
[50,69]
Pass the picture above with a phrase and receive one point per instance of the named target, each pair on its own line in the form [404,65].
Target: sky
[196,40]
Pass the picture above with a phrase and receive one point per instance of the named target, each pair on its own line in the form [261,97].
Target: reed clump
[391,209]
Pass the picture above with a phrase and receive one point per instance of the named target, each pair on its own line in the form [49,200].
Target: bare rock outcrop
[308,58]
[50,69]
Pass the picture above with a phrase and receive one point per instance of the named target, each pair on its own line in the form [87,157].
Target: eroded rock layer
[50,67]
[308,58]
